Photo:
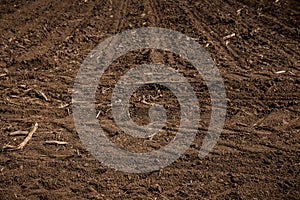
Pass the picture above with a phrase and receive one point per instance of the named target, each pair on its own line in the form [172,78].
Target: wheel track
[212,36]
[157,16]
[43,49]
[171,60]
[50,48]
[165,57]
[281,47]
[38,21]
[231,51]
[57,36]
[79,25]
[278,20]
[117,22]
[23,12]
[285,52]
[280,98]
[120,14]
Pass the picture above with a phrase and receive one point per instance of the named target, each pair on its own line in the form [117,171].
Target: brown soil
[43,44]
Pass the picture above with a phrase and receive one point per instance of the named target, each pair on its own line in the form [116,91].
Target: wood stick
[145,102]
[15,133]
[26,140]
[8,146]
[56,142]
[29,136]
[229,36]
[42,94]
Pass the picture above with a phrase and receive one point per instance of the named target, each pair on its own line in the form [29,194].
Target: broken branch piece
[55,142]
[26,140]
[229,36]
[15,133]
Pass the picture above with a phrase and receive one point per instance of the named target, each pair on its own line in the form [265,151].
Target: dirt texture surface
[255,45]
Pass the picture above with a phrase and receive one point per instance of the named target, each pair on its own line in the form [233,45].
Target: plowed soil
[43,44]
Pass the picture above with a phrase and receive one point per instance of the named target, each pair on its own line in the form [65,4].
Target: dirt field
[43,44]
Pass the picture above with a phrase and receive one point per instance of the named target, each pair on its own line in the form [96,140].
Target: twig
[229,36]
[29,136]
[42,94]
[56,142]
[257,123]
[150,137]
[8,146]
[18,133]
[26,140]
[64,105]
[238,12]
[145,102]
[38,92]
[280,72]
[98,114]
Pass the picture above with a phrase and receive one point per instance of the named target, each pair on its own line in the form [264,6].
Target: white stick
[29,136]
[26,140]
[229,36]
[18,133]
[55,142]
